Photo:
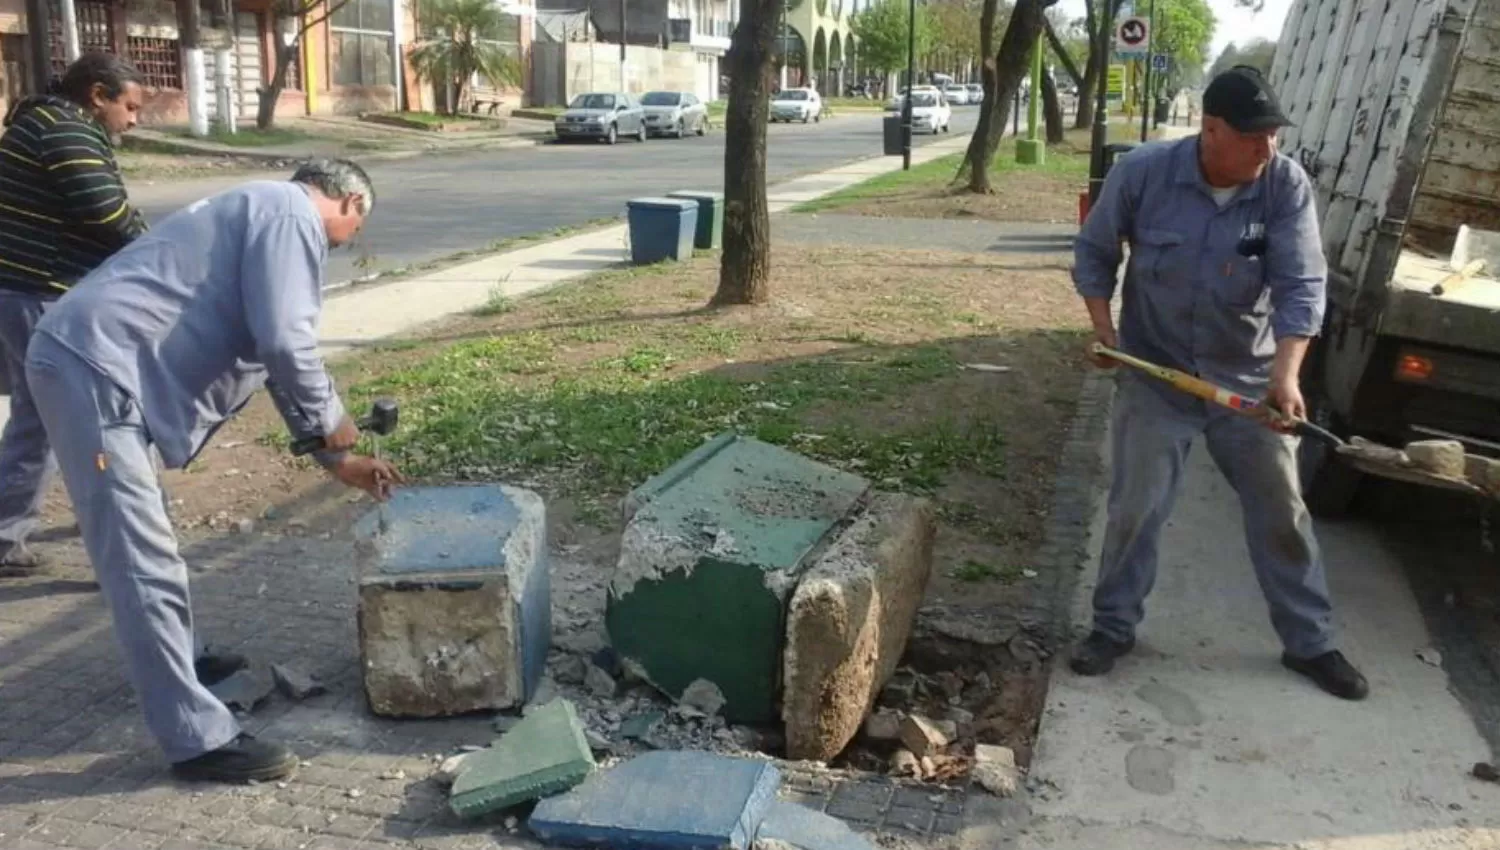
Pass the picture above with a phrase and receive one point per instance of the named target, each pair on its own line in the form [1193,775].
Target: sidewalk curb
[188,147]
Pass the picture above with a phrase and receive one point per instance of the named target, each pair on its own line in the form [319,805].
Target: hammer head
[383,415]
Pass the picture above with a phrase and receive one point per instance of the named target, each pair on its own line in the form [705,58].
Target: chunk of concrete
[547,752]
[710,555]
[995,769]
[295,684]
[789,826]
[849,621]
[883,725]
[922,736]
[454,600]
[664,799]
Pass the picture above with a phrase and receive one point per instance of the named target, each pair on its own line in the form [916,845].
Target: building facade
[349,61]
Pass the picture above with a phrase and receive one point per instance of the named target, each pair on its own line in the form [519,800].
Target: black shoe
[242,760]
[17,561]
[213,668]
[1332,672]
[1096,655]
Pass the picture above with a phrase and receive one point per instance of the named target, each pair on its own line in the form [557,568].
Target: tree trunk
[745,265]
[1011,63]
[265,114]
[975,163]
[1052,110]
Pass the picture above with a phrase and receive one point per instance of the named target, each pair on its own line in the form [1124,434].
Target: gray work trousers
[1150,441]
[107,463]
[26,463]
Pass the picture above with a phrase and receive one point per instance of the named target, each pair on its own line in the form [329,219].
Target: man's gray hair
[337,179]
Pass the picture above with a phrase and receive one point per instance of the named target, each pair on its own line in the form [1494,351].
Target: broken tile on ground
[546,752]
[788,826]
[295,684]
[667,799]
[244,690]
[454,600]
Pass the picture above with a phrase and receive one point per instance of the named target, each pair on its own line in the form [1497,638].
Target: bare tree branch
[1062,54]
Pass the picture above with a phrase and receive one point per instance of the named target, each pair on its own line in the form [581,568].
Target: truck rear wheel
[1329,485]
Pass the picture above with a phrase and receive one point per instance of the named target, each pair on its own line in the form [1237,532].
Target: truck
[1396,106]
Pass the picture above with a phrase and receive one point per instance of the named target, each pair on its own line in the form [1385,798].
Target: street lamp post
[1101,109]
[911,79]
[623,40]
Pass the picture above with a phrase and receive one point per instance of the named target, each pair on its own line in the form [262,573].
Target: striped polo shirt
[63,209]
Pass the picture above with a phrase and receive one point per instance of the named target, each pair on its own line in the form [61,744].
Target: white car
[976,92]
[957,95]
[895,103]
[797,105]
[929,113]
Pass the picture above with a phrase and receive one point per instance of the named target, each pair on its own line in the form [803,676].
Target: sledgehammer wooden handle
[1199,388]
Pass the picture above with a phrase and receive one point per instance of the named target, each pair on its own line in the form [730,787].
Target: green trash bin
[661,229]
[710,231]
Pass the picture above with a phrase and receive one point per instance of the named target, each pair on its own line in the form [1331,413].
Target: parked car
[976,93]
[601,115]
[958,95]
[797,105]
[895,102]
[929,113]
[674,113]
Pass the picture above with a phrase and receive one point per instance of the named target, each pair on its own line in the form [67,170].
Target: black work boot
[214,667]
[1332,672]
[16,560]
[1096,655]
[242,760]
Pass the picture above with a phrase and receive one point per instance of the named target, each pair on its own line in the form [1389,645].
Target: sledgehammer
[381,420]
[1199,388]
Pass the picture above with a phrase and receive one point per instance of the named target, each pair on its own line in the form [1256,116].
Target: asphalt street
[430,207]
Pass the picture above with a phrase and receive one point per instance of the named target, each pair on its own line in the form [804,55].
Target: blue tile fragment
[801,828]
[664,800]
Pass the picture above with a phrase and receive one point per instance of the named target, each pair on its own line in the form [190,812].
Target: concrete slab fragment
[708,559]
[670,799]
[1201,734]
[455,607]
[545,753]
[789,826]
[849,620]
[244,690]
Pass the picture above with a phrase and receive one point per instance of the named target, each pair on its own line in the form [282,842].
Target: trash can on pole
[661,229]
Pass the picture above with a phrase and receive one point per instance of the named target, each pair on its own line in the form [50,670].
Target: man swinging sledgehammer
[158,347]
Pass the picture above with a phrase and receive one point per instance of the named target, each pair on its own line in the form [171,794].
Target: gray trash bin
[893,138]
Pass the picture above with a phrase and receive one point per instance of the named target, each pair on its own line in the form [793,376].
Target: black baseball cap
[1242,97]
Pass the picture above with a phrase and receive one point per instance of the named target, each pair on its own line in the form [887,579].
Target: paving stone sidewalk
[967,235]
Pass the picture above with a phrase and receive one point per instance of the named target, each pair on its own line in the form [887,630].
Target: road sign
[1132,35]
[1116,87]
[1159,63]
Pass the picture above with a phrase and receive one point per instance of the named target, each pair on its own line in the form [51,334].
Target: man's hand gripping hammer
[381,421]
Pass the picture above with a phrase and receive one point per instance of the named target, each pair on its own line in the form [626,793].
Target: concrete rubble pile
[768,596]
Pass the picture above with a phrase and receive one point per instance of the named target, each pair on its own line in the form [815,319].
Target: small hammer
[381,420]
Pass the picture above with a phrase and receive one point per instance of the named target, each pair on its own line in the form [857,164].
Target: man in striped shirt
[63,211]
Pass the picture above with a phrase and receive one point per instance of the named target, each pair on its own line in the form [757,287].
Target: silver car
[674,113]
[604,115]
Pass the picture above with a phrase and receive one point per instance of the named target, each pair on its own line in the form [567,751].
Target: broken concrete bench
[785,585]
[455,611]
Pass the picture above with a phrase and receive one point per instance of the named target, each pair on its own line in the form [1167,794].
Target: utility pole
[624,87]
[1101,104]
[1146,99]
[911,81]
[39,44]
[781,41]
[69,30]
[195,72]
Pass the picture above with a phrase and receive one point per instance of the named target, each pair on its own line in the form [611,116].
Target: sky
[1235,24]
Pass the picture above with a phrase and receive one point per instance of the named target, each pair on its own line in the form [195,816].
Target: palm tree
[462,38]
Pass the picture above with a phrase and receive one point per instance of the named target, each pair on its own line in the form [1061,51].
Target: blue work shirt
[192,318]
[1193,300]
